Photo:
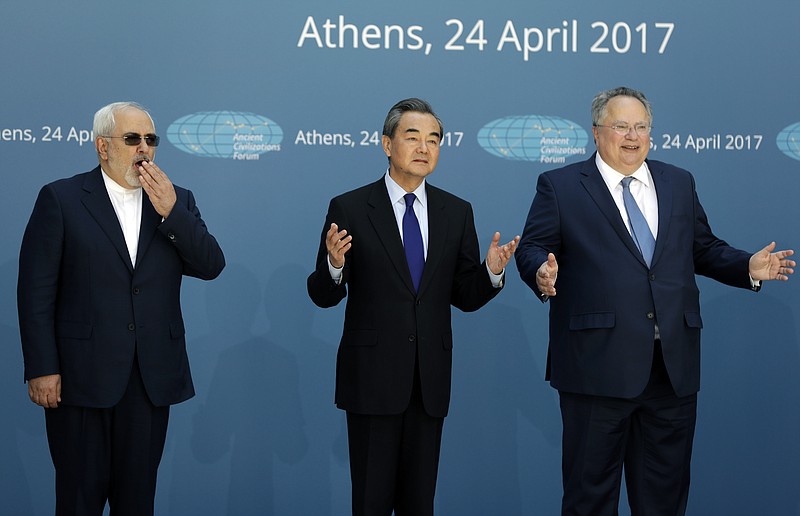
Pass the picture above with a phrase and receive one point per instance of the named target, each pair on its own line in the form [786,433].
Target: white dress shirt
[642,189]
[128,207]
[397,198]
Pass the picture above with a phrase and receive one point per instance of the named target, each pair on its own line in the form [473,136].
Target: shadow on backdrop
[252,413]
[499,396]
[306,486]
[198,485]
[22,416]
[747,448]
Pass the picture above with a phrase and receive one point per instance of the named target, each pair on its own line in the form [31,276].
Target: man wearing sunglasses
[100,272]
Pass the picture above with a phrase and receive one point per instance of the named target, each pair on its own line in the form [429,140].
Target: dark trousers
[109,454]
[650,435]
[394,460]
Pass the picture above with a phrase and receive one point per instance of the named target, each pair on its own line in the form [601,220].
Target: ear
[101,144]
[387,145]
[594,132]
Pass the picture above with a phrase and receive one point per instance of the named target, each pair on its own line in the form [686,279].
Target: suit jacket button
[171,236]
[131,326]
[652,277]
[650,315]
[136,291]
[412,338]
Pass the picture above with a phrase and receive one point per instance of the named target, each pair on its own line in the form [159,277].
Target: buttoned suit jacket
[608,300]
[85,310]
[387,324]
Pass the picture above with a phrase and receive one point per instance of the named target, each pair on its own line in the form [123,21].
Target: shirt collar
[396,192]
[113,186]
[612,178]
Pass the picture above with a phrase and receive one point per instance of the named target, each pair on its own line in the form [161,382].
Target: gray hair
[413,104]
[601,100]
[104,121]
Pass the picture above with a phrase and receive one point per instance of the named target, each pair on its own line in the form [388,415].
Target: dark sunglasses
[135,139]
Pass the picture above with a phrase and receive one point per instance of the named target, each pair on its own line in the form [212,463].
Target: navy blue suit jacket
[387,324]
[83,306]
[602,318]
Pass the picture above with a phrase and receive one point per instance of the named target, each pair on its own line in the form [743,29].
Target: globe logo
[538,138]
[788,141]
[225,134]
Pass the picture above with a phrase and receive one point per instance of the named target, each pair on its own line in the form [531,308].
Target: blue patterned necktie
[412,241]
[639,228]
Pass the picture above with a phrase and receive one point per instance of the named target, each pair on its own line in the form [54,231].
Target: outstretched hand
[498,256]
[546,276]
[766,265]
[337,243]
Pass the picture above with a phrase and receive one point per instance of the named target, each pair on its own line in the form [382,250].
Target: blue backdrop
[269,109]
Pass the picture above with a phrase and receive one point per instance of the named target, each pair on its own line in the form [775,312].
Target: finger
[147,172]
[330,237]
[343,243]
[512,244]
[334,235]
[148,183]
[340,238]
[551,262]
[152,169]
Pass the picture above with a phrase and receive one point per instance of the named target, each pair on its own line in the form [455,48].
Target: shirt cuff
[497,279]
[336,274]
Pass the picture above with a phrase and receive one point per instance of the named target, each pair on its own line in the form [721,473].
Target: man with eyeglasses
[613,245]
[103,341]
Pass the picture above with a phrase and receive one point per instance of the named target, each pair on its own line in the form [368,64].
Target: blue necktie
[639,228]
[412,241]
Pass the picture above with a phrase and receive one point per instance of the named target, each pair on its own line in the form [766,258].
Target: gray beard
[132,178]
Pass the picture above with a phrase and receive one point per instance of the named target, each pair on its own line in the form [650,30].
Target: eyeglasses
[135,139]
[624,129]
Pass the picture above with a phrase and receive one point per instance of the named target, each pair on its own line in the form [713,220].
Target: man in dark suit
[100,272]
[624,349]
[403,252]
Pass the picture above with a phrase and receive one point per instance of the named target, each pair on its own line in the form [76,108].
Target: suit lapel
[598,190]
[99,206]
[437,231]
[150,221]
[664,195]
[381,215]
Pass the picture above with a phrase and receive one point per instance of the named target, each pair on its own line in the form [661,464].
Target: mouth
[140,162]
